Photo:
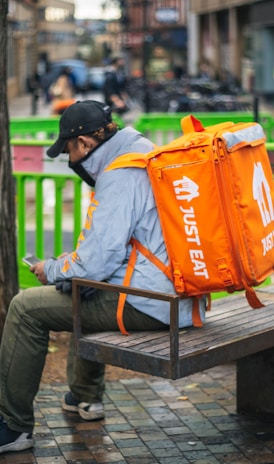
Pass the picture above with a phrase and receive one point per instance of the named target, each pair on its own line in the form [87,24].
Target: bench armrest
[172,299]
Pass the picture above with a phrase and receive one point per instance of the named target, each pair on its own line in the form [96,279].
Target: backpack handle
[191,124]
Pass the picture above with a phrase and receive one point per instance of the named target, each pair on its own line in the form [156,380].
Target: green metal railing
[161,128]
[38,128]
[46,224]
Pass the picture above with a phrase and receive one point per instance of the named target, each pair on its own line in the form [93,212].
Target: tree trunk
[8,256]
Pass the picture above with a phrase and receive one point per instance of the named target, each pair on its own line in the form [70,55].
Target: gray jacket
[123,207]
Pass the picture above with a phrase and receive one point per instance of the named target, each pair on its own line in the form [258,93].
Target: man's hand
[38,270]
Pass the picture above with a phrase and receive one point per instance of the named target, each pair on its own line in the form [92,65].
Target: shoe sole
[17,446]
[86,415]
[91,415]
[69,407]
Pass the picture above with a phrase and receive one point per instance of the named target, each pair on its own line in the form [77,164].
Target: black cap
[82,117]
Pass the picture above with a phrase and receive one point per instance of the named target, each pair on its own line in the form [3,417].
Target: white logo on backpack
[186,186]
[261,193]
[191,190]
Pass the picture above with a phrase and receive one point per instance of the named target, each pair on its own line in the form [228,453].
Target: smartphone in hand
[31,260]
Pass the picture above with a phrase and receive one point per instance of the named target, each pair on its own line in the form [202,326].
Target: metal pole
[145,57]
[256,108]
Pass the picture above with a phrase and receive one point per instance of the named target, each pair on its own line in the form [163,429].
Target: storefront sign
[167,15]
[131,39]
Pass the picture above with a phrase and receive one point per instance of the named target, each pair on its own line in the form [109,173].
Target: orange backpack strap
[136,245]
[196,318]
[129,160]
[157,262]
[122,296]
[252,298]
[128,275]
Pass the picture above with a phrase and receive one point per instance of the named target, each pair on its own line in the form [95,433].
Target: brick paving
[152,420]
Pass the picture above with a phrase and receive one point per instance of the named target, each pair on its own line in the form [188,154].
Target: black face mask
[79,169]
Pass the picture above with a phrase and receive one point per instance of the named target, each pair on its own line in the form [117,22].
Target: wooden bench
[233,332]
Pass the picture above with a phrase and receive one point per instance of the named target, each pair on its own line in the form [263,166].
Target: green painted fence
[38,128]
[161,128]
[41,227]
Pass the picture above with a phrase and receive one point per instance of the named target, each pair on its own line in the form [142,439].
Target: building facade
[234,40]
[56,29]
[226,39]
[39,31]
[154,36]
[22,35]
[262,27]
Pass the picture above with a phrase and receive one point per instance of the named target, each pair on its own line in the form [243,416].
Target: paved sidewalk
[21,106]
[151,420]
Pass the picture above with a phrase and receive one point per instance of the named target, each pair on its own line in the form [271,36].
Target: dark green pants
[32,314]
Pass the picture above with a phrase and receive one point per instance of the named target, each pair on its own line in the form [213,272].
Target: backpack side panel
[245,165]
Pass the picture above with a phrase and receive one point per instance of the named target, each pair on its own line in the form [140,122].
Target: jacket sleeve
[103,243]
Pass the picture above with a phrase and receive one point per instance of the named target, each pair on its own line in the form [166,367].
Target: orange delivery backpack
[213,189]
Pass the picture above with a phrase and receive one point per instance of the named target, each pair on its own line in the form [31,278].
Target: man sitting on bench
[122,207]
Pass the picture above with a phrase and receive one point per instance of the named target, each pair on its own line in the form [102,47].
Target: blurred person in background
[115,92]
[62,91]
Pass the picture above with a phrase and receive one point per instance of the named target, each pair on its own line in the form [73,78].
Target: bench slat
[237,325]
[212,334]
[233,330]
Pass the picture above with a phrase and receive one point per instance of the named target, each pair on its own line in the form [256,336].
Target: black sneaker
[87,411]
[10,440]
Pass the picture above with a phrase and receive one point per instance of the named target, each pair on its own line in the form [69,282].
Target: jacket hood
[124,141]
